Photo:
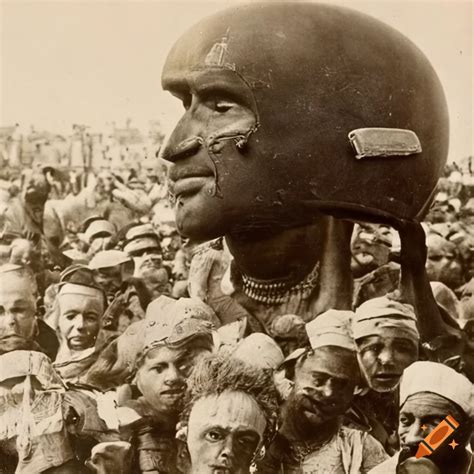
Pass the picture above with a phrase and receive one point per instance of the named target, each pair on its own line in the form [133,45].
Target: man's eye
[213,436]
[374,348]
[435,258]
[185,367]
[159,368]
[247,442]
[404,346]
[91,317]
[404,421]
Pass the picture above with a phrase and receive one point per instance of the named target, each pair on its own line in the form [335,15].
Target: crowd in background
[115,358]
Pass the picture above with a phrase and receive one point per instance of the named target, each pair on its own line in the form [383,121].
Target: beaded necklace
[277,292]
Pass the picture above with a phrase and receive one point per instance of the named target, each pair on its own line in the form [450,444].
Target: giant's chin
[200,217]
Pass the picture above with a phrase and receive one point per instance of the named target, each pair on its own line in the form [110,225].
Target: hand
[413,244]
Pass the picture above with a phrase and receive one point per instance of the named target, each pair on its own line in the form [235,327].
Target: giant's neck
[287,254]
[290,255]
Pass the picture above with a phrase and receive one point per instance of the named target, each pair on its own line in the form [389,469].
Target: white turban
[382,313]
[331,328]
[433,377]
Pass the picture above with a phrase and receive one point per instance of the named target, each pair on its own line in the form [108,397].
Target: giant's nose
[185,140]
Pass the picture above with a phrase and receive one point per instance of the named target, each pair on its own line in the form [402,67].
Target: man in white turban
[386,335]
[429,392]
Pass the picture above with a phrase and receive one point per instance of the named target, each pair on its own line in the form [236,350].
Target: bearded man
[311,437]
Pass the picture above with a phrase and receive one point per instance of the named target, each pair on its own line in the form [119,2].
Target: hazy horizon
[67,62]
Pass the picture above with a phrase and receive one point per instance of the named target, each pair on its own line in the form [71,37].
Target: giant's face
[263,139]
[17,307]
[209,170]
[384,357]
[224,432]
[324,385]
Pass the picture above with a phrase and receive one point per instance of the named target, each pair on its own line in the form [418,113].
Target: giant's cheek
[236,197]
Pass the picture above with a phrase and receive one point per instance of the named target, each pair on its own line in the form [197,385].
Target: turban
[259,350]
[433,377]
[382,313]
[331,328]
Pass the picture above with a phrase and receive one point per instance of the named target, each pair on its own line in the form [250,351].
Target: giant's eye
[222,105]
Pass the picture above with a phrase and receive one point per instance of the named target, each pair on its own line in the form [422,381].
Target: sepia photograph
[236,237]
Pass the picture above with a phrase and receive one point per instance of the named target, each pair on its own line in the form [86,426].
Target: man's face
[209,165]
[443,263]
[420,414]
[224,433]
[79,320]
[162,376]
[384,357]
[109,279]
[17,307]
[324,385]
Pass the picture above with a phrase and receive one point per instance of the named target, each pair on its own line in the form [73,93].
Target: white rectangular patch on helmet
[384,142]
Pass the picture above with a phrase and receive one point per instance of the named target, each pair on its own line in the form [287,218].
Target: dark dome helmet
[350,116]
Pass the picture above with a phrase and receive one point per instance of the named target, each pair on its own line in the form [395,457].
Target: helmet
[350,116]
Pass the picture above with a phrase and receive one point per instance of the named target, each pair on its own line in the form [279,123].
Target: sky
[90,62]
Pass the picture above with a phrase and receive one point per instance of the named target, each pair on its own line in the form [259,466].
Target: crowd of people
[123,348]
[221,320]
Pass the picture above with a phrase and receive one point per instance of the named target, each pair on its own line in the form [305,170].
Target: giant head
[290,108]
